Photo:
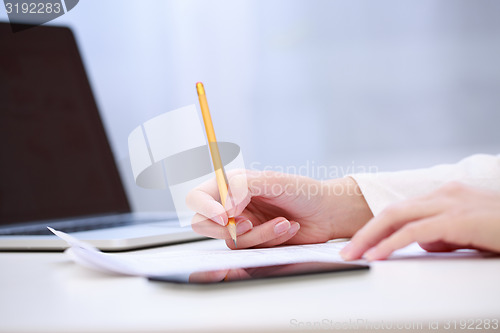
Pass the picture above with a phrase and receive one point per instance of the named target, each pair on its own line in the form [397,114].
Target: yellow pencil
[220,174]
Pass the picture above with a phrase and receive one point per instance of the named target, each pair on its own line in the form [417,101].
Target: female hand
[272,208]
[455,216]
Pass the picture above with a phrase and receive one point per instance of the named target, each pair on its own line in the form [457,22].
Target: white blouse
[384,188]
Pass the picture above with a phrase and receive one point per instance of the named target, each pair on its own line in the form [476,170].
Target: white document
[186,262]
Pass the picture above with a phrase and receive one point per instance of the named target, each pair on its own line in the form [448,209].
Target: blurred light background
[354,84]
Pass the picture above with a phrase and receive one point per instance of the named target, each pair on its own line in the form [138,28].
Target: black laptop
[57,168]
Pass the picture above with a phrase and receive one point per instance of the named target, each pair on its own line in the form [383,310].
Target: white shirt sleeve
[384,188]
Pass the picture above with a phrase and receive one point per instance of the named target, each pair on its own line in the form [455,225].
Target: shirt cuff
[385,188]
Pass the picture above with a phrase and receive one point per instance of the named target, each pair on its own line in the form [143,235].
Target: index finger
[205,199]
[387,222]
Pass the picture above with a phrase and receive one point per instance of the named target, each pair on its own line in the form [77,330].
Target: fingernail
[371,254]
[294,228]
[219,220]
[243,226]
[281,227]
[345,253]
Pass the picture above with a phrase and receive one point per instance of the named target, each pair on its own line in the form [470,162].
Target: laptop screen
[56,161]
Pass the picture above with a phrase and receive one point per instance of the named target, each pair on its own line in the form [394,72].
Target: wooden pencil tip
[231,227]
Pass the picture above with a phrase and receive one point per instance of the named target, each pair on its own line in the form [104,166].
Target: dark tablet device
[262,272]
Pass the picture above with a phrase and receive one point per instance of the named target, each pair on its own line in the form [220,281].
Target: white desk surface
[46,292]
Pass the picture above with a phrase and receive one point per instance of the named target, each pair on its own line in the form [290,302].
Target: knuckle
[453,187]
[196,227]
[392,210]
[455,213]
[200,228]
[191,199]
[260,238]
[454,233]
[412,229]
[197,218]
[238,188]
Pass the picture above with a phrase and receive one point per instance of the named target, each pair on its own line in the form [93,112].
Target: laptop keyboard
[74,226]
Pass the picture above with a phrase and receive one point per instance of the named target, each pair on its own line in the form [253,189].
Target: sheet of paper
[180,262]
[186,262]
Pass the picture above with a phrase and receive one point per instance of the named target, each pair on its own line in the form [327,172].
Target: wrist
[348,208]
